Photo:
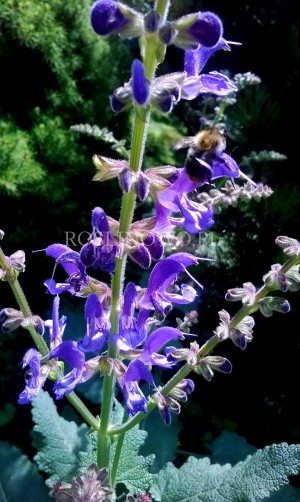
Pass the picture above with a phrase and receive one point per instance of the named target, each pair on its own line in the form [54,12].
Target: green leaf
[133,468]
[161,440]
[59,441]
[19,477]
[248,481]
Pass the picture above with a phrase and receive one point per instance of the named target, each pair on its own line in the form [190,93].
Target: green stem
[139,135]
[117,455]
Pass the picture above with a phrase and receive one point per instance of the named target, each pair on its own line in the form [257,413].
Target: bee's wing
[184,143]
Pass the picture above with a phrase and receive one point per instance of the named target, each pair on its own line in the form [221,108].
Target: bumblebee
[203,149]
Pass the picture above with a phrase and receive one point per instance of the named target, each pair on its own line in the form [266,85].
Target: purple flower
[157,297]
[195,217]
[137,369]
[134,397]
[69,352]
[56,326]
[36,376]
[139,83]
[154,342]
[108,17]
[101,250]
[132,330]
[98,326]
[71,263]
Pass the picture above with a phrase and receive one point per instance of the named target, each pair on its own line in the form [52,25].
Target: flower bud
[125,180]
[142,187]
[1,234]
[271,304]
[182,389]
[88,254]
[10,319]
[151,21]
[89,486]
[155,246]
[139,84]
[167,33]
[36,322]
[108,17]
[166,405]
[141,256]
[291,247]
[121,98]
[210,363]
[246,294]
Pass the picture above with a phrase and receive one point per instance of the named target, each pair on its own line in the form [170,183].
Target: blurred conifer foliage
[55,72]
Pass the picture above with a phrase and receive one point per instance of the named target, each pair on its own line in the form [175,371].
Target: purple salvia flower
[134,398]
[196,218]
[139,84]
[37,376]
[132,336]
[98,326]
[101,251]
[162,276]
[132,331]
[109,17]
[56,326]
[69,352]
[154,342]
[71,263]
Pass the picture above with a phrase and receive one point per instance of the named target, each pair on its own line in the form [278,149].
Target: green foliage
[58,441]
[133,469]
[19,171]
[251,480]
[162,137]
[19,477]
[55,72]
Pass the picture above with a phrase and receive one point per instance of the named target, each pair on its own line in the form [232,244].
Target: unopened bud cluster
[230,194]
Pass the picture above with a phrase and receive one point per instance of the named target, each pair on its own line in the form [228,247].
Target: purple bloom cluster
[135,339]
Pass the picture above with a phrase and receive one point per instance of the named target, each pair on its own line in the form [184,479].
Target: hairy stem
[139,135]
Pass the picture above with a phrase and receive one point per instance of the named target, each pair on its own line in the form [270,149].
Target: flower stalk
[141,122]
